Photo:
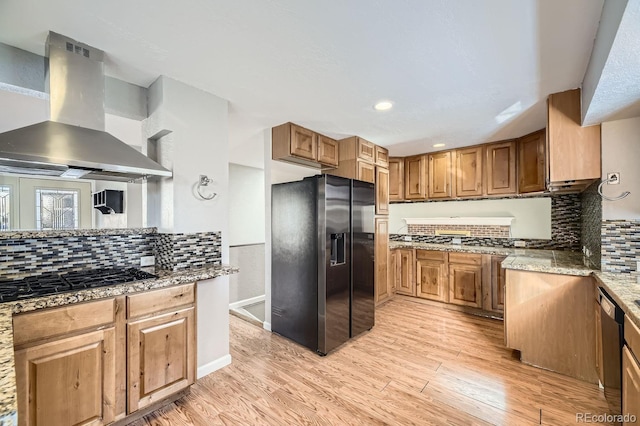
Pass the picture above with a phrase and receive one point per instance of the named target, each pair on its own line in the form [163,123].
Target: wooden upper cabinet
[382,191]
[415,177]
[532,162]
[365,150]
[440,175]
[382,157]
[365,171]
[303,143]
[501,168]
[573,150]
[327,151]
[469,172]
[396,179]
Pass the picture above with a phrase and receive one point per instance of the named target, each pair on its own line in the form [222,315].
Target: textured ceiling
[460,72]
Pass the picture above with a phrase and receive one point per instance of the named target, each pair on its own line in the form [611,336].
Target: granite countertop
[8,404]
[550,261]
[625,289]
[451,247]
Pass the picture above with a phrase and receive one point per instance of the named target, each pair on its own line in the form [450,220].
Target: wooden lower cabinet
[161,356]
[69,381]
[431,275]
[465,285]
[630,384]
[406,284]
[498,276]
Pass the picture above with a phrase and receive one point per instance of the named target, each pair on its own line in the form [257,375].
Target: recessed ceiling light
[438,145]
[383,106]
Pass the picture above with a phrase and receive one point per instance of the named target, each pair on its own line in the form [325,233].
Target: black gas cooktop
[42,285]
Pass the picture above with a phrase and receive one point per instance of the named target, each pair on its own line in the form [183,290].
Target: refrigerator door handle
[338,242]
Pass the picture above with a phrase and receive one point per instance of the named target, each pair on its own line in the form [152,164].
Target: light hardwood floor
[420,365]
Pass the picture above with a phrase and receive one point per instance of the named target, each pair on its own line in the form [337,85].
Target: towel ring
[619,197]
[204,180]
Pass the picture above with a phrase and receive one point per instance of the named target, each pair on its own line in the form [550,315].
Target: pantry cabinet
[382,191]
[381,256]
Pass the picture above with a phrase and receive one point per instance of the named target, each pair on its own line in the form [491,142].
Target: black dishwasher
[612,318]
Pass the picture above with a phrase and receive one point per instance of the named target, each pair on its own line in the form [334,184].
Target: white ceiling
[460,72]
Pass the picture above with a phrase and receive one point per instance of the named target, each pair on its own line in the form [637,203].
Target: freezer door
[363,231]
[334,262]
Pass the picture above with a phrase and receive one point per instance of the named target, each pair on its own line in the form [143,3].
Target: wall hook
[204,180]
[619,197]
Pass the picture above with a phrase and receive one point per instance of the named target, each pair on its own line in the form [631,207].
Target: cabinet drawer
[431,255]
[632,336]
[160,300]
[33,326]
[467,258]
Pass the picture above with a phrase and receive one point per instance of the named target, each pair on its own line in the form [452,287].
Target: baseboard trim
[214,366]
[266,326]
[245,302]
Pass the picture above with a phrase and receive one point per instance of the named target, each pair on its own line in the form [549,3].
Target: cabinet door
[440,175]
[406,284]
[465,285]
[69,381]
[574,151]
[366,151]
[366,172]
[396,179]
[430,280]
[598,333]
[327,151]
[498,276]
[415,177]
[501,168]
[468,172]
[382,191]
[531,162]
[381,254]
[303,143]
[630,384]
[382,157]
[161,357]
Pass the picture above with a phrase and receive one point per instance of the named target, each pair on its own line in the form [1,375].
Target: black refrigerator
[322,270]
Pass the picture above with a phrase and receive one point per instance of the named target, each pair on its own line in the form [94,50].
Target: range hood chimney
[73,143]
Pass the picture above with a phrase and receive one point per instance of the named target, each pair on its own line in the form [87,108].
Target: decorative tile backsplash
[620,245]
[181,251]
[36,256]
[592,222]
[493,231]
[566,219]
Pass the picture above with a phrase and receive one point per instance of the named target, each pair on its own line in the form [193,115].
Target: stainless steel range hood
[74,143]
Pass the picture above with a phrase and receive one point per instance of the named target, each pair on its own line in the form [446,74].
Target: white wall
[532,215]
[197,145]
[621,153]
[246,205]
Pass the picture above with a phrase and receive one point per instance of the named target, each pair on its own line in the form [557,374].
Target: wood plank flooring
[419,365]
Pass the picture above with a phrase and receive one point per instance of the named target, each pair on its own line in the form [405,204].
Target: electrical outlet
[520,244]
[457,241]
[613,178]
[407,237]
[147,260]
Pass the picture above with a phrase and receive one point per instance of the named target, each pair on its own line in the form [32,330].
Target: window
[5,208]
[56,209]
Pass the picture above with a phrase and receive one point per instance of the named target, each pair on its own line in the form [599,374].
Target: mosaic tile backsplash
[592,222]
[566,219]
[620,245]
[495,231]
[36,256]
[176,252]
